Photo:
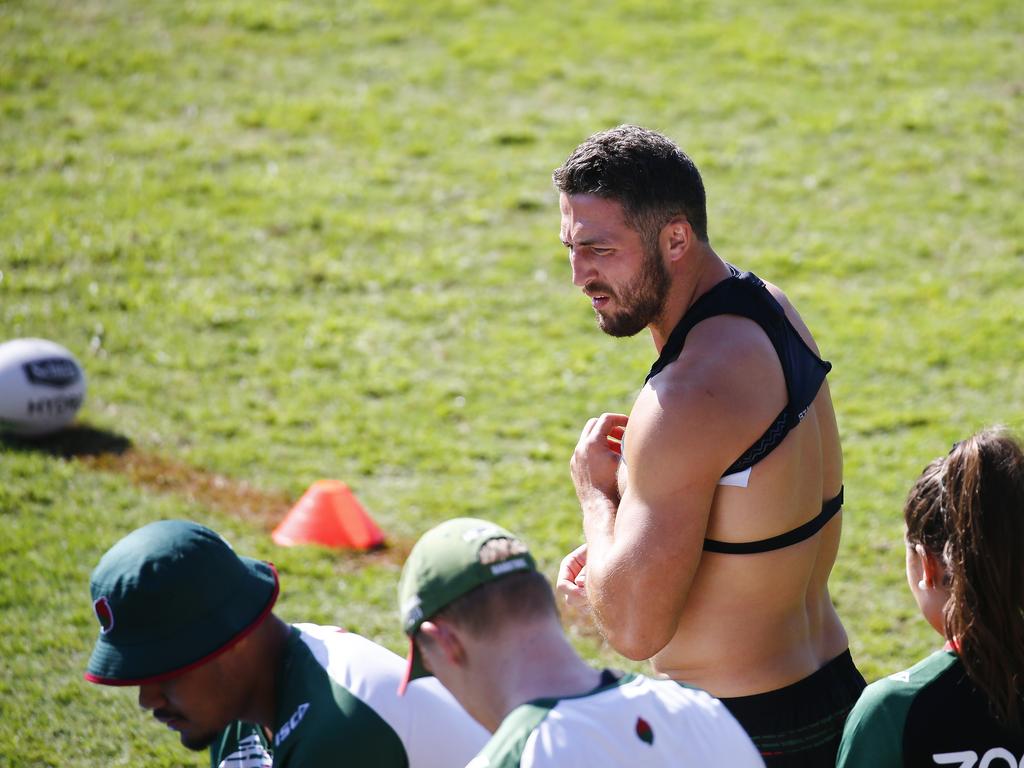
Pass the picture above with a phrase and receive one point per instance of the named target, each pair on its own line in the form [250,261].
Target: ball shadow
[70,442]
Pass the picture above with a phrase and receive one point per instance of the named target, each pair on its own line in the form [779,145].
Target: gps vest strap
[798,534]
[744,294]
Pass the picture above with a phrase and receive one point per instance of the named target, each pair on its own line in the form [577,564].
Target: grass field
[301,240]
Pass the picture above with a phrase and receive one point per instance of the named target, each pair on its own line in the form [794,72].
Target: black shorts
[800,726]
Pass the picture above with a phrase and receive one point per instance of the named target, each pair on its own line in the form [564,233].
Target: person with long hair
[963,705]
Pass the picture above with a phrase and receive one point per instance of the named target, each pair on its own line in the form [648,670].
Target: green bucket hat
[447,562]
[169,597]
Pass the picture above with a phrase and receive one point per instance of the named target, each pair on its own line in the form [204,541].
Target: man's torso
[757,622]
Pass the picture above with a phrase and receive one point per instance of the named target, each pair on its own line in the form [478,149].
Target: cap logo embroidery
[105,615]
[498,549]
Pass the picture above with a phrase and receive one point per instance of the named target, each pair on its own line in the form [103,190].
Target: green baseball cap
[447,562]
[169,597]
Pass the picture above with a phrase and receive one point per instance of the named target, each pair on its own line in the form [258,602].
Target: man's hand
[595,462]
[572,578]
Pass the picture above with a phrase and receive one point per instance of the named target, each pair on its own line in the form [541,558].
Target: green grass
[302,240]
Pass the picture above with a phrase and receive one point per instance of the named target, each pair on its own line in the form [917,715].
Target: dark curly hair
[652,178]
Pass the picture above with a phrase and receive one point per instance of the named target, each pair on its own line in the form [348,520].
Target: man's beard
[198,742]
[194,741]
[642,300]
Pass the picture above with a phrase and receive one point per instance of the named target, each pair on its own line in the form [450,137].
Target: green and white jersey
[338,705]
[633,721]
[928,715]
[241,745]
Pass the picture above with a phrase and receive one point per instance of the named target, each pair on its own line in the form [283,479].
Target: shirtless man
[710,513]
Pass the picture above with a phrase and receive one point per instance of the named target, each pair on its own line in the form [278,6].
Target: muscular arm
[643,548]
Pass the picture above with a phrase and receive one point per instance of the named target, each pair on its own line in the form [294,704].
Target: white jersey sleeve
[435,730]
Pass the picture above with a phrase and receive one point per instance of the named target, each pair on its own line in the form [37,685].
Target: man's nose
[151,696]
[582,268]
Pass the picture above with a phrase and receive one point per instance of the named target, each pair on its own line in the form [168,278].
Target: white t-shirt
[635,721]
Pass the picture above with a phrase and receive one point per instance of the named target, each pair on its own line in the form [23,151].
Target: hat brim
[192,646]
[414,668]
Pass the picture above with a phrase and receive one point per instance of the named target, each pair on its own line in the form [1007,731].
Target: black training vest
[745,294]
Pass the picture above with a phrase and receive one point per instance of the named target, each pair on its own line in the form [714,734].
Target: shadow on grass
[110,452]
[72,442]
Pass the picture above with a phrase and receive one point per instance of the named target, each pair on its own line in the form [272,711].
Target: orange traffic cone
[328,514]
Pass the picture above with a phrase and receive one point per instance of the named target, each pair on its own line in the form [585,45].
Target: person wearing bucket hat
[483,620]
[191,624]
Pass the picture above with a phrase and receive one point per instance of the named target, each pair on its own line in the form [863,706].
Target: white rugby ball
[42,386]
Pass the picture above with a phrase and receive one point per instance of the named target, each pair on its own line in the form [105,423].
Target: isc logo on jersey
[291,725]
[997,757]
[41,386]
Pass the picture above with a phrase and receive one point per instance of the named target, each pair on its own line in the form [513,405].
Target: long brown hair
[968,509]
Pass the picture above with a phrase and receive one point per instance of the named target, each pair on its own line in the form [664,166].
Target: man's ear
[446,639]
[676,237]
